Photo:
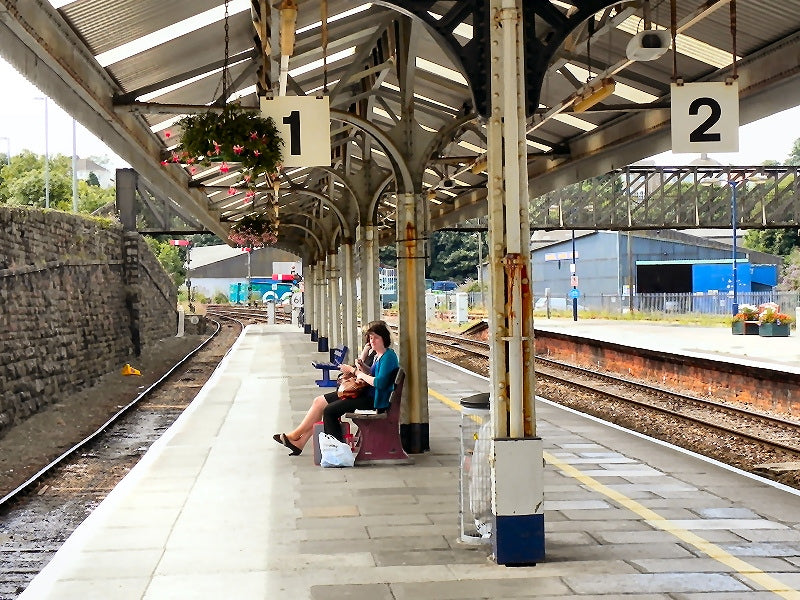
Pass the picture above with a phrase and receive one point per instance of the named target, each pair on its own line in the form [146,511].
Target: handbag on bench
[350,386]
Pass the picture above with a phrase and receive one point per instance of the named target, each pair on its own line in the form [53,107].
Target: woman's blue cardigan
[384,372]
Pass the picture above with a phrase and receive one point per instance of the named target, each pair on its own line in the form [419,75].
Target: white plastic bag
[334,453]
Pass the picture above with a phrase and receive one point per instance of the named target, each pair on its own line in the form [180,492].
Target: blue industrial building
[661,261]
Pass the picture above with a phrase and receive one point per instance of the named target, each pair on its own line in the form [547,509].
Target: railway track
[757,438]
[39,514]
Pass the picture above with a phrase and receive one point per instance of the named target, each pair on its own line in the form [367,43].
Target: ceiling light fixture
[594,95]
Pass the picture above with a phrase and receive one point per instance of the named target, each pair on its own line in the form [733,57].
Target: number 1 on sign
[300,121]
[293,121]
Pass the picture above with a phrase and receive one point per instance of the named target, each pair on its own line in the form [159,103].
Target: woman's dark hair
[380,328]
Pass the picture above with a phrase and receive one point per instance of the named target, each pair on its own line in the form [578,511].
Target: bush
[220,298]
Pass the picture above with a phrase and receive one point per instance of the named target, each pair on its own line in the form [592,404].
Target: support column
[316,323]
[126,206]
[335,332]
[517,470]
[351,335]
[370,288]
[411,237]
[324,304]
[308,298]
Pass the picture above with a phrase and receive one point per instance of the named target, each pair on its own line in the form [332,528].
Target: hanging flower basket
[254,231]
[233,135]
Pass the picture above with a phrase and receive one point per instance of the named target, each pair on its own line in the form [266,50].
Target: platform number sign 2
[705,117]
[300,121]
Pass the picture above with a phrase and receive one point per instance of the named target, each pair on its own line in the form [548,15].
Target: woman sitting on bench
[379,377]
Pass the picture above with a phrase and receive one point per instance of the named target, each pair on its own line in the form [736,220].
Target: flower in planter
[254,231]
[772,315]
[233,135]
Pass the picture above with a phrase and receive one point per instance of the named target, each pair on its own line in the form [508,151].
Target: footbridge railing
[640,197]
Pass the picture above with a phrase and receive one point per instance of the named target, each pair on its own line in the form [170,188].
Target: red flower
[163,163]
[216,147]
[237,149]
[256,153]
[224,168]
[253,135]
[231,191]
[167,134]
[192,170]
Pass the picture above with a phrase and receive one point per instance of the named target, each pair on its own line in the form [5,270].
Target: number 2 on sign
[701,133]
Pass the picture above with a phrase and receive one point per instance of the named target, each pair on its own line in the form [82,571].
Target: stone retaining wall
[78,299]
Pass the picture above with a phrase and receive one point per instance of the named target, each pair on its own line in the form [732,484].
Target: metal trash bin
[475,502]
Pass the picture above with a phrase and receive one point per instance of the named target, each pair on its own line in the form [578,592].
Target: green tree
[205,239]
[387,256]
[454,255]
[790,274]
[93,180]
[172,258]
[794,155]
[773,241]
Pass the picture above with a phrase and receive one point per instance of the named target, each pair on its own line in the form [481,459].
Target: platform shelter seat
[338,356]
[378,437]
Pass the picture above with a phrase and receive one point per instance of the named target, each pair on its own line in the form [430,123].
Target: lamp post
[480,265]
[74,169]
[734,185]
[574,279]
[46,155]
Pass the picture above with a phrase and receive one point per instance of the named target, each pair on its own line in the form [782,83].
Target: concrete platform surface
[217,510]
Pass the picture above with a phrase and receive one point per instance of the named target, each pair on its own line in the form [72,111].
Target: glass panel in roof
[687,45]
[620,89]
[391,86]
[185,82]
[575,121]
[471,147]
[317,64]
[437,69]
[463,29]
[336,17]
[171,32]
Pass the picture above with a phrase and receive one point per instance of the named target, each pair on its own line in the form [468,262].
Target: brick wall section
[64,305]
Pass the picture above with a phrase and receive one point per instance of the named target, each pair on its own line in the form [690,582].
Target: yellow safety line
[745,569]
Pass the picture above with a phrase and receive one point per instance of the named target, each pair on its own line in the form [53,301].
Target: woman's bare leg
[302,433]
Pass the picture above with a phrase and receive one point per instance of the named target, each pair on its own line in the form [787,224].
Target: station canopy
[131,69]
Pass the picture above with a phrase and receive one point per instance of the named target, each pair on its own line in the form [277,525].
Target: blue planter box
[773,330]
[744,328]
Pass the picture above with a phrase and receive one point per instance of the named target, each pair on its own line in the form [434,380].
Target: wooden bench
[378,436]
[337,358]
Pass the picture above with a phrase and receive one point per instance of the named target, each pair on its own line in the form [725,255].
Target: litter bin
[475,506]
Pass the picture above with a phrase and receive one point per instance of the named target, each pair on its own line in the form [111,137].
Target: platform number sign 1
[301,121]
[705,117]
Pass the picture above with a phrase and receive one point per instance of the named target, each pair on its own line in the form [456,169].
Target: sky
[22,122]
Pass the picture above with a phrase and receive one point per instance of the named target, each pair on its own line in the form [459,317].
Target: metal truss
[673,198]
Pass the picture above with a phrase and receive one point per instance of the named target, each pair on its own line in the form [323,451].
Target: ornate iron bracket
[545,29]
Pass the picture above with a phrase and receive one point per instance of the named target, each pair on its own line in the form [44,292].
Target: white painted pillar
[351,333]
[335,332]
[517,468]
[411,236]
[370,288]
